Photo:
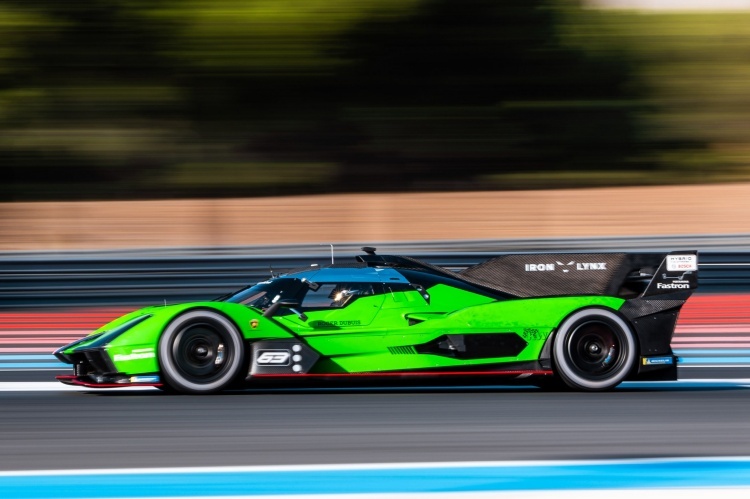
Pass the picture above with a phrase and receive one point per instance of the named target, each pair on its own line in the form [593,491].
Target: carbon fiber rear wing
[628,275]
[677,272]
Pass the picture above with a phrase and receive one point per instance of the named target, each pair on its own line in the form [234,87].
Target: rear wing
[677,272]
[627,275]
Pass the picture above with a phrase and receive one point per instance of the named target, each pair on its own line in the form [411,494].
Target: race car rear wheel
[594,350]
[200,351]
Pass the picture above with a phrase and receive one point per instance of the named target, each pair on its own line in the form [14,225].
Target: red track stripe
[711,345]
[38,341]
[36,332]
[713,329]
[48,350]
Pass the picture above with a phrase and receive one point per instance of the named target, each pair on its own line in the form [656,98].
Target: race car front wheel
[200,351]
[594,350]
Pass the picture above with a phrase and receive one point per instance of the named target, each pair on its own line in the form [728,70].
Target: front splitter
[82,381]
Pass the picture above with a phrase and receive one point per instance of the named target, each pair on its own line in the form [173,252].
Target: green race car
[583,321]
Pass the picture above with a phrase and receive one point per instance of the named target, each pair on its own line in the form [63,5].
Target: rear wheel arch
[594,349]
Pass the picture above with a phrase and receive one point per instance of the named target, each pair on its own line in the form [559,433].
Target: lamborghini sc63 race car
[583,321]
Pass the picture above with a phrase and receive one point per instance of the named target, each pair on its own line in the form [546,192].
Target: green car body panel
[394,315]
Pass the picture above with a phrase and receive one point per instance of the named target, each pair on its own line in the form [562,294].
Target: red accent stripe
[392,374]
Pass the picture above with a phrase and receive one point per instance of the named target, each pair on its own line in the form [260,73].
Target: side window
[319,298]
[336,295]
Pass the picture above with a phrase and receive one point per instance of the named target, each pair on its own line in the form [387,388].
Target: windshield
[264,293]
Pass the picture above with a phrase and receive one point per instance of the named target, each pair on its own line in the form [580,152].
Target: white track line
[429,465]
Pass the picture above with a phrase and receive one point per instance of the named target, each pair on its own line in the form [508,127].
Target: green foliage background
[103,99]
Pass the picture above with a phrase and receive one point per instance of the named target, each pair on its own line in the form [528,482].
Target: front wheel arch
[594,349]
[201,351]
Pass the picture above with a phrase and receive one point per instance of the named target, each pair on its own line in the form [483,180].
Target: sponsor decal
[673,285]
[273,357]
[254,323]
[532,334]
[565,267]
[540,267]
[138,354]
[145,379]
[682,263]
[335,323]
[657,361]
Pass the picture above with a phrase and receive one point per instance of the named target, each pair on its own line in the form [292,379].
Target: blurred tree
[461,89]
[129,98]
[87,90]
[134,97]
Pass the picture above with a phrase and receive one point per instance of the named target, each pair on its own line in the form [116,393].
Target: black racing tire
[200,351]
[594,350]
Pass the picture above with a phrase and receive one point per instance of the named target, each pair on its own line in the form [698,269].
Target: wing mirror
[292,305]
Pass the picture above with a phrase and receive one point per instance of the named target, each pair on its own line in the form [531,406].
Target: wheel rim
[200,353]
[595,349]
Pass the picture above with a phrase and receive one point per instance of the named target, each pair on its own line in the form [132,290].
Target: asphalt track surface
[48,430]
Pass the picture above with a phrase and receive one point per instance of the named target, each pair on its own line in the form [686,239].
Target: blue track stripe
[539,477]
[683,384]
[714,360]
